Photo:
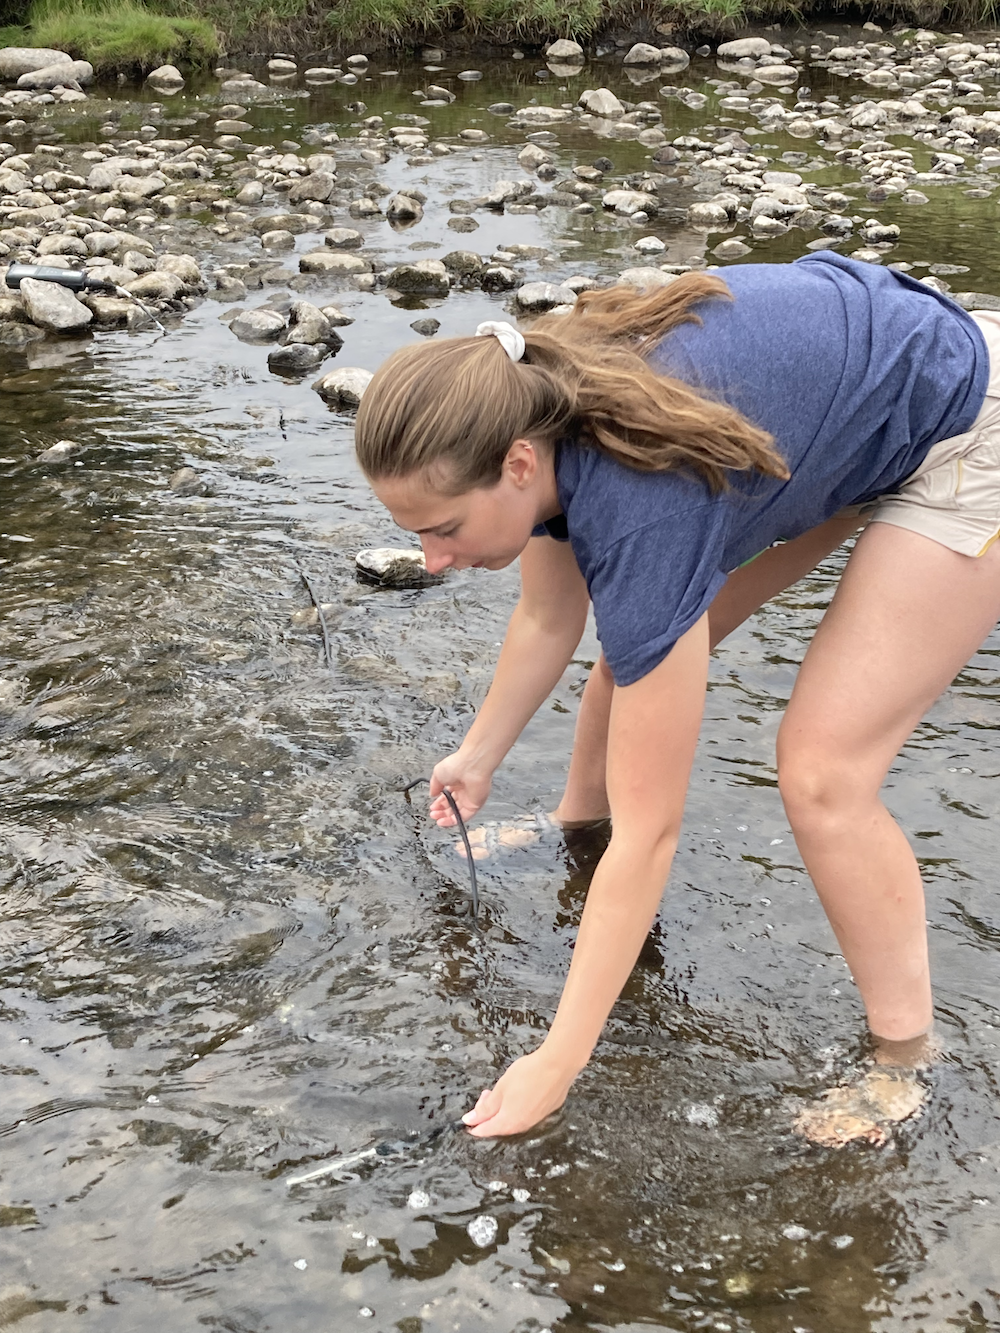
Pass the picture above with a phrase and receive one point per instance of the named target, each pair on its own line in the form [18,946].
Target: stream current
[231,950]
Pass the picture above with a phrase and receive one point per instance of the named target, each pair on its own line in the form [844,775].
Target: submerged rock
[427,277]
[394,567]
[166,77]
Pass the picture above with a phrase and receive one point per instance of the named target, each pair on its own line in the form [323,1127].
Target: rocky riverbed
[231,948]
[199,202]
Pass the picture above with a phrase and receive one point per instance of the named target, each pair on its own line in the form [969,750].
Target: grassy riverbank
[127,35]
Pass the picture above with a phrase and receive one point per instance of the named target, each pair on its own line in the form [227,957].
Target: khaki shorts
[954,496]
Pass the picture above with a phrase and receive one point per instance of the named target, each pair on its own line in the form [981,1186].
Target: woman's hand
[469,785]
[532,1088]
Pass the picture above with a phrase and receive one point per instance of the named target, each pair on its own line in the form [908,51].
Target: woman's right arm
[542,635]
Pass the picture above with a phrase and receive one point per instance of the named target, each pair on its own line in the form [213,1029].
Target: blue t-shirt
[855,370]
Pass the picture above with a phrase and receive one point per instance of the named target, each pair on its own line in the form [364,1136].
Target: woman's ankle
[580,811]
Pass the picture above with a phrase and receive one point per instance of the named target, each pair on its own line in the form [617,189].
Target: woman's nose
[435,558]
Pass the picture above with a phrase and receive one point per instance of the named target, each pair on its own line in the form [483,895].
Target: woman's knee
[820,787]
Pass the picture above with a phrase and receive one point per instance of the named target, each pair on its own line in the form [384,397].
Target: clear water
[231,950]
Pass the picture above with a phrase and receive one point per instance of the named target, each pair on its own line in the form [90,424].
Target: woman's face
[485,528]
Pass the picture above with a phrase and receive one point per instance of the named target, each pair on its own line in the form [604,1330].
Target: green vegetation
[114,34]
[136,35]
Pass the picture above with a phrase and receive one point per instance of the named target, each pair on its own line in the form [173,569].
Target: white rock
[642,54]
[343,386]
[418,1200]
[483,1230]
[744,46]
[166,76]
[18,60]
[673,59]
[779,74]
[601,102]
[53,307]
[538,297]
[643,278]
[257,325]
[628,202]
[570,53]
[73,72]
[393,566]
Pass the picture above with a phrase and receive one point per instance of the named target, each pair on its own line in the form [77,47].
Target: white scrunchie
[508,337]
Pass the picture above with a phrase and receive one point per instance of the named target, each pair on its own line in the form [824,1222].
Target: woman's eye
[450,533]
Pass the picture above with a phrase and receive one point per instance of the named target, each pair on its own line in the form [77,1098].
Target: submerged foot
[490,839]
[863,1112]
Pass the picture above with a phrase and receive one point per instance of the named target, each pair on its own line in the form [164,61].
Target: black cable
[325,629]
[473,883]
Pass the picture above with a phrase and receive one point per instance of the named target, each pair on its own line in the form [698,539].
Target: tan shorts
[954,496]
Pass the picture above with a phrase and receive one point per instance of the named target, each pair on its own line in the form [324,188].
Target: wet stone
[343,387]
[393,566]
[256,326]
[537,297]
[426,327]
[296,358]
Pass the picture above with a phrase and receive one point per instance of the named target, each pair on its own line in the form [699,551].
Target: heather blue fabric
[855,370]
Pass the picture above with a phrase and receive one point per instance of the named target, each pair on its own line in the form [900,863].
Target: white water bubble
[842,1242]
[301,1265]
[418,1199]
[483,1230]
[497,1186]
[366,1312]
[522,1196]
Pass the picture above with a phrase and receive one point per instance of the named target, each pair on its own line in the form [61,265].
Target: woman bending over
[636,454]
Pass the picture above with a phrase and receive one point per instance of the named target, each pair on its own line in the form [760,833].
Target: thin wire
[327,650]
[473,882]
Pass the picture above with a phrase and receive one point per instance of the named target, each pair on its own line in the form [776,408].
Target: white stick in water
[331,1168]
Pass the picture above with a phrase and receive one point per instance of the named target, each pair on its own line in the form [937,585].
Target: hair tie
[509,338]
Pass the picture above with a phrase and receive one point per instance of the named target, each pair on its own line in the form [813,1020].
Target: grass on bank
[115,35]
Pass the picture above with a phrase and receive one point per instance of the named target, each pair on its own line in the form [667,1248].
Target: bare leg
[746,589]
[906,617]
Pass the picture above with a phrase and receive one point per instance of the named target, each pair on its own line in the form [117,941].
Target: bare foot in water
[489,839]
[866,1111]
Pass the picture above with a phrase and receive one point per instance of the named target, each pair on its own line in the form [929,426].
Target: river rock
[404,208]
[673,59]
[343,387]
[426,327]
[186,481]
[644,278]
[53,307]
[537,297]
[532,156]
[426,277]
[708,216]
[566,52]
[601,102]
[343,238]
[18,60]
[279,66]
[278,240]
[393,566]
[778,74]
[308,324]
[257,326]
[333,262]
[251,193]
[628,202]
[296,358]
[183,267]
[156,287]
[318,187]
[73,73]
[642,54]
[109,311]
[167,78]
[742,47]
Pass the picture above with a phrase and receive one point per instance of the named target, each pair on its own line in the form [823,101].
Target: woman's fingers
[486,1107]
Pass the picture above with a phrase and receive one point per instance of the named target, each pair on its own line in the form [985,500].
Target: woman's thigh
[906,617]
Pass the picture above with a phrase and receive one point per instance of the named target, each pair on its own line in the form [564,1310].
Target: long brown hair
[461,402]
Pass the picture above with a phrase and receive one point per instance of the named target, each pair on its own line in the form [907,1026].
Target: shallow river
[231,950]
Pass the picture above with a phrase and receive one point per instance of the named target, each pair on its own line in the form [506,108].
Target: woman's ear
[521,463]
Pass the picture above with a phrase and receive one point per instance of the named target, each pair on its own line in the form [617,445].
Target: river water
[232,950]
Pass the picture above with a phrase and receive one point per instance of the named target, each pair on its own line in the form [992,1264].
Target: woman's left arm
[651,745]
